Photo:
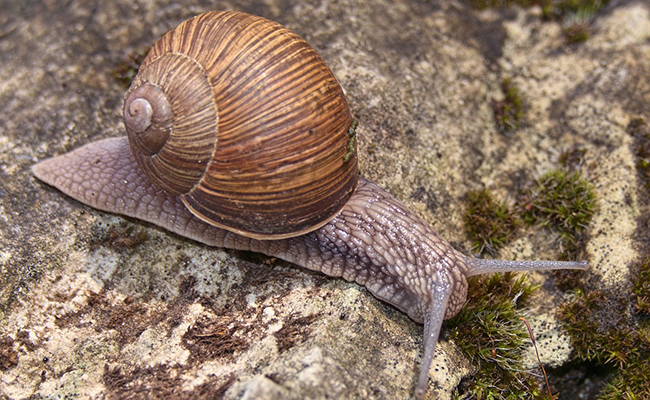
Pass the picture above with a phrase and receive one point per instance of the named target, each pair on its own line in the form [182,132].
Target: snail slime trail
[303,200]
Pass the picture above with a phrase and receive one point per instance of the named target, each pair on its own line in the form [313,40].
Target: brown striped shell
[242,119]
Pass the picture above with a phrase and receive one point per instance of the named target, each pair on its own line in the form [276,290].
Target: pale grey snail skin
[367,236]
[374,241]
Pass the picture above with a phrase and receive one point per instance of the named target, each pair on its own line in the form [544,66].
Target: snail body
[272,169]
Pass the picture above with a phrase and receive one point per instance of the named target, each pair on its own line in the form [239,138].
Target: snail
[239,136]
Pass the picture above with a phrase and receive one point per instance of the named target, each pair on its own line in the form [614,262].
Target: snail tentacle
[479,266]
[440,294]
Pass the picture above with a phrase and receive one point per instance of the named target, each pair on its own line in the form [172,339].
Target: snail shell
[242,119]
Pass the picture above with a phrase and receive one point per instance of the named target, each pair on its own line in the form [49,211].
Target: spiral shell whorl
[176,146]
[139,114]
[259,129]
[148,118]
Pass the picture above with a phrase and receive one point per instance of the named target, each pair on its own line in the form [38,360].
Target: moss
[128,68]
[564,202]
[641,292]
[560,200]
[612,327]
[575,15]
[551,9]
[630,383]
[488,329]
[562,9]
[211,338]
[352,134]
[485,4]
[491,334]
[573,159]
[118,237]
[509,111]
[488,223]
[640,131]
[296,330]
[576,32]
[8,356]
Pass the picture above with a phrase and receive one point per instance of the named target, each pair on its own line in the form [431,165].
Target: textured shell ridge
[267,158]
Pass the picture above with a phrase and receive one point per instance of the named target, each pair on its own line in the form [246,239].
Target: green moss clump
[573,159]
[640,131]
[491,334]
[561,9]
[576,15]
[561,200]
[613,327]
[576,32]
[551,9]
[509,111]
[485,4]
[488,328]
[641,293]
[488,223]
[564,202]
[128,68]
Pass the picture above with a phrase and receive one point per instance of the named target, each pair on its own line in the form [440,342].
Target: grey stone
[91,317]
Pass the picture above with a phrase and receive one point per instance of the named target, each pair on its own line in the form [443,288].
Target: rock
[96,306]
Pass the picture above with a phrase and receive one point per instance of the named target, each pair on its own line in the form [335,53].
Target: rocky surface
[96,306]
